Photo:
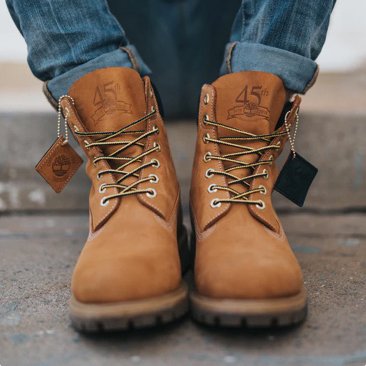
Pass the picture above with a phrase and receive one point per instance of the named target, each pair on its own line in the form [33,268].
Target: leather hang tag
[59,164]
[295,178]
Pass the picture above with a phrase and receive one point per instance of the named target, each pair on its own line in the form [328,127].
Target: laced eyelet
[278,143]
[266,174]
[104,202]
[98,176]
[263,189]
[205,118]
[94,163]
[152,193]
[215,203]
[156,128]
[102,188]
[155,163]
[86,142]
[152,108]
[261,205]
[151,93]
[209,173]
[154,178]
[205,137]
[76,129]
[211,188]
[206,99]
[155,144]
[206,157]
[270,157]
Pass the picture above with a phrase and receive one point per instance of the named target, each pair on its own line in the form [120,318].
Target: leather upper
[132,249]
[241,249]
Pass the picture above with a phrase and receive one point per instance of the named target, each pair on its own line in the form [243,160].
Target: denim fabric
[67,38]
[280,37]
[182,40]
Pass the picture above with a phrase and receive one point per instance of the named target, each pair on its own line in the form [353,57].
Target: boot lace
[238,142]
[124,170]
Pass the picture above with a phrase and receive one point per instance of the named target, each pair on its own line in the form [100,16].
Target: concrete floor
[37,256]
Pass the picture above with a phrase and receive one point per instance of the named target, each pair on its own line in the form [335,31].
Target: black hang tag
[295,179]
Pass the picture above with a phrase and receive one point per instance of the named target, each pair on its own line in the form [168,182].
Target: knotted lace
[103,140]
[231,173]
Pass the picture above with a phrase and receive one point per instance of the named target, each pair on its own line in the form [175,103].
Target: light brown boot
[129,273]
[245,270]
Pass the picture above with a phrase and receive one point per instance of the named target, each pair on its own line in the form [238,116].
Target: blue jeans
[67,39]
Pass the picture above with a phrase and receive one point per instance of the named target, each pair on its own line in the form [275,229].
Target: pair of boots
[130,271]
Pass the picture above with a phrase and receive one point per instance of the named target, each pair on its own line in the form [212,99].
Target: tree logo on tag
[249,103]
[107,101]
[61,165]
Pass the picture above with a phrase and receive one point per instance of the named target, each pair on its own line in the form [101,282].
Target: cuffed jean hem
[297,72]
[124,57]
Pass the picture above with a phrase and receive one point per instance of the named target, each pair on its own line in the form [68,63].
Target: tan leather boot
[245,270]
[129,273]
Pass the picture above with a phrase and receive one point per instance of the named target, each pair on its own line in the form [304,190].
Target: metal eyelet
[86,142]
[278,143]
[261,205]
[152,193]
[98,176]
[156,129]
[76,129]
[155,163]
[102,188]
[155,144]
[206,99]
[206,157]
[154,178]
[94,163]
[104,202]
[211,188]
[152,108]
[263,189]
[266,174]
[270,157]
[151,93]
[209,173]
[215,203]
[205,118]
[205,137]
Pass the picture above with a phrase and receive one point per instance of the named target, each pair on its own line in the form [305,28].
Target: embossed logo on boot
[61,165]
[108,101]
[250,103]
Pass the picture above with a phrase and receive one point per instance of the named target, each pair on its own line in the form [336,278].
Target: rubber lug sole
[129,315]
[266,313]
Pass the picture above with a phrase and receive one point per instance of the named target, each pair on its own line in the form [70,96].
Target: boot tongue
[251,101]
[110,98]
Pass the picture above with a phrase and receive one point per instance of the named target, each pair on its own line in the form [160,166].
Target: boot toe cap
[123,278]
[235,275]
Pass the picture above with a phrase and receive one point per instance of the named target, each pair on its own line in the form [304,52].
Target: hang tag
[295,178]
[59,164]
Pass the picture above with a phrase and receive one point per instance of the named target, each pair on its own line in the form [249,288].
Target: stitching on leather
[265,156]
[155,120]
[170,222]
[73,117]
[219,164]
